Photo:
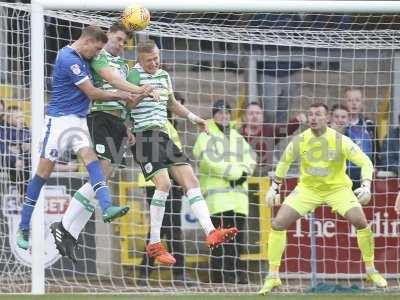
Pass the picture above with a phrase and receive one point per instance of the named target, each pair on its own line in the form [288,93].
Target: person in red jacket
[264,136]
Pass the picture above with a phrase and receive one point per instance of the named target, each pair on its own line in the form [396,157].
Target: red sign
[337,250]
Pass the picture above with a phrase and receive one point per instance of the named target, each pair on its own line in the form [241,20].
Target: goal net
[284,62]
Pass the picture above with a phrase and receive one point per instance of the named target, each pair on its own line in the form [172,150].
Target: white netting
[284,61]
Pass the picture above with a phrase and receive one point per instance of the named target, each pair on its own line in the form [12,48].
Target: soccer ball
[135,17]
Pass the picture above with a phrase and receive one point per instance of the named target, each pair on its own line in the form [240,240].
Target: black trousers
[170,230]
[225,260]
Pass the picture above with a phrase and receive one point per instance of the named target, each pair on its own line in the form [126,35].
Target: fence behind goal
[286,61]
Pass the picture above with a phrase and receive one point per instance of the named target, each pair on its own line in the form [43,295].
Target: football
[135,17]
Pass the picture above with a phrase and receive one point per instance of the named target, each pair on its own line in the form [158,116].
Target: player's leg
[100,187]
[184,175]
[108,134]
[154,248]
[50,151]
[43,172]
[297,204]
[83,204]
[346,204]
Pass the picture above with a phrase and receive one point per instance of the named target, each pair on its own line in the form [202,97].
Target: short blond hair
[147,46]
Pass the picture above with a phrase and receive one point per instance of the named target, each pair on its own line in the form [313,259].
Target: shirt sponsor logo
[76,69]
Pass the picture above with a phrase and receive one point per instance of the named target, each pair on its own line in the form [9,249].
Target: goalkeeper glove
[273,195]
[363,193]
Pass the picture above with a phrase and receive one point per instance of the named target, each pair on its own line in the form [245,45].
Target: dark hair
[320,104]
[146,46]
[353,88]
[95,33]
[253,103]
[339,106]
[118,26]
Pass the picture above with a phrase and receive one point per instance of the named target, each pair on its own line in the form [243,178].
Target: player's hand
[131,138]
[202,124]
[273,197]
[397,204]
[363,193]
[155,95]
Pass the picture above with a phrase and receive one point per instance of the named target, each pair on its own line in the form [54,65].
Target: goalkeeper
[322,152]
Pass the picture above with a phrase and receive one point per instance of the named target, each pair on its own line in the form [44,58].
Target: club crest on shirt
[76,69]
[148,167]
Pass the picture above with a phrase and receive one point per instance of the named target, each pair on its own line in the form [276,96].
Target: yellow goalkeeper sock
[276,246]
[365,240]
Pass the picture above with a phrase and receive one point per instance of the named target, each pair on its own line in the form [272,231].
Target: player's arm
[288,156]
[353,153]
[181,111]
[96,94]
[112,77]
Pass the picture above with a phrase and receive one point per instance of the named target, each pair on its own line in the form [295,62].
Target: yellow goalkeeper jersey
[323,160]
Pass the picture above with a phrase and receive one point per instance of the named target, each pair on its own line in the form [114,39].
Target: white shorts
[63,133]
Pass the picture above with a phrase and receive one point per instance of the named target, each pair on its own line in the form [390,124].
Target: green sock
[365,240]
[276,247]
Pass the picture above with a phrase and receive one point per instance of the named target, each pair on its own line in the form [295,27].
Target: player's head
[339,117]
[221,112]
[117,36]
[353,99]
[318,115]
[92,40]
[15,116]
[148,56]
[254,114]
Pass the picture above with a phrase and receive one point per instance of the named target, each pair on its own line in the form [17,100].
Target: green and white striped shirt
[149,114]
[101,61]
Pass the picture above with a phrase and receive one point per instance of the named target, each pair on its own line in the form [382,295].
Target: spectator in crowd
[361,130]
[15,147]
[264,136]
[171,226]
[339,118]
[390,155]
[223,181]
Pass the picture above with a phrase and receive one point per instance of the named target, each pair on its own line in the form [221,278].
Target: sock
[157,209]
[98,182]
[32,194]
[79,210]
[200,209]
[365,240]
[276,247]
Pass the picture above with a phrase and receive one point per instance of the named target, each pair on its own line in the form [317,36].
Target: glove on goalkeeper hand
[363,193]
[273,195]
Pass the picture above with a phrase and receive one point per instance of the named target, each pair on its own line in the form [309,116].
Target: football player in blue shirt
[66,128]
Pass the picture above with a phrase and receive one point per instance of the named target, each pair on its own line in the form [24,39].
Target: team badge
[76,69]
[148,167]
[100,148]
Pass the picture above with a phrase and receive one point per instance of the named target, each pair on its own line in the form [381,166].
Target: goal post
[314,63]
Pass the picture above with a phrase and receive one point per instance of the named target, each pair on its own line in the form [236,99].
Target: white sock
[157,209]
[200,209]
[80,210]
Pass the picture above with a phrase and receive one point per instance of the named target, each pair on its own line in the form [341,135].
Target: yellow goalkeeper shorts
[304,200]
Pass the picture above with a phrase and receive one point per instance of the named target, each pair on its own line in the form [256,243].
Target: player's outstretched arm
[115,80]
[181,111]
[96,94]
